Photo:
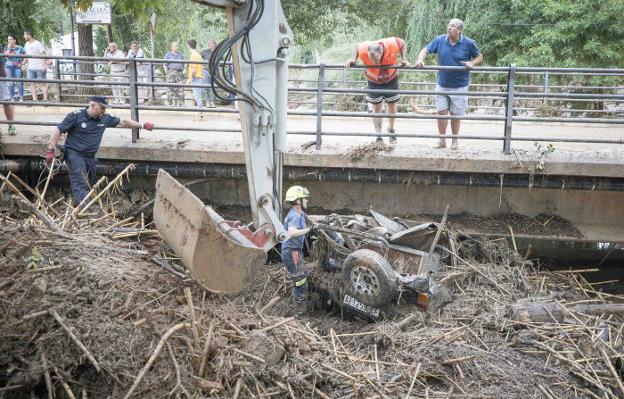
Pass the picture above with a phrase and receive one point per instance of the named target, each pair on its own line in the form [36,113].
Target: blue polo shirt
[298,221]
[448,55]
[84,133]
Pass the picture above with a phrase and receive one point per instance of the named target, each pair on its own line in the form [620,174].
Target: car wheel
[369,278]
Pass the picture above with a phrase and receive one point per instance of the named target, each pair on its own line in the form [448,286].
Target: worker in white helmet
[295,223]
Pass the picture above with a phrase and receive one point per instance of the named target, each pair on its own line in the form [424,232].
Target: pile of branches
[84,313]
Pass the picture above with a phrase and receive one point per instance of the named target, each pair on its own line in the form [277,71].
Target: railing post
[319,105]
[57,76]
[509,108]
[134,97]
[546,85]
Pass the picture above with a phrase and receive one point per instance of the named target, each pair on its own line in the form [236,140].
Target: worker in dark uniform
[85,129]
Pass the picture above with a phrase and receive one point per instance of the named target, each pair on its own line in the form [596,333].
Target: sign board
[100,13]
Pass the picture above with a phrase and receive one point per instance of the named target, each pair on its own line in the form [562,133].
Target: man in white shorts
[453,49]
[35,67]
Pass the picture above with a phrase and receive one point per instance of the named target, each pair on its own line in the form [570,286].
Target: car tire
[368,277]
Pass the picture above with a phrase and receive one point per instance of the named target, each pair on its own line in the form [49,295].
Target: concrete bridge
[581,182]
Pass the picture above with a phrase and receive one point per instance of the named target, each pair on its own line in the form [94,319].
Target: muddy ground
[91,315]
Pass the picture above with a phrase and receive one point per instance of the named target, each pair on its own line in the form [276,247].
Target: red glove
[49,157]
[148,125]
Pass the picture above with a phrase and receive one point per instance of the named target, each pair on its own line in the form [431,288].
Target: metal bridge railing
[512,97]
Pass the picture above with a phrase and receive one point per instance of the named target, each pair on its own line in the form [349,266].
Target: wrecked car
[371,265]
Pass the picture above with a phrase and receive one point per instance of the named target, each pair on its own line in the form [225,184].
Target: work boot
[301,307]
[12,130]
[393,139]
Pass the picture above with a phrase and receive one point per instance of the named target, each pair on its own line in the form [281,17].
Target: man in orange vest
[383,52]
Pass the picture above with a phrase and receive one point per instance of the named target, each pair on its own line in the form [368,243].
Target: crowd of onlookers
[15,66]
[174,71]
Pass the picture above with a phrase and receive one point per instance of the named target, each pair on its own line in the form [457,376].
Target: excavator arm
[224,255]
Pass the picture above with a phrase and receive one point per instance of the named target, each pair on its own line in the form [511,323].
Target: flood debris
[96,316]
[367,152]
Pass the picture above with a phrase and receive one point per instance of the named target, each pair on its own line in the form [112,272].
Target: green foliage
[17,16]
[563,33]
[33,262]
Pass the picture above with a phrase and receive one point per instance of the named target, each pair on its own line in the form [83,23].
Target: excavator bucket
[219,256]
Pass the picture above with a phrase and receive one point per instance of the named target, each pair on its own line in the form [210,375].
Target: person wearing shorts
[35,67]
[453,49]
[383,52]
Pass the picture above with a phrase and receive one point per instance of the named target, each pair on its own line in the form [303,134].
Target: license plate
[360,307]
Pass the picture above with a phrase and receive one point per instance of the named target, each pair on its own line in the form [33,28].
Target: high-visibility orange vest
[390,56]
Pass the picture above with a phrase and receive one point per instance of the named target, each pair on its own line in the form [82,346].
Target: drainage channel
[602,262]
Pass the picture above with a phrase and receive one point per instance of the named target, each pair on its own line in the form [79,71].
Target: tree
[18,16]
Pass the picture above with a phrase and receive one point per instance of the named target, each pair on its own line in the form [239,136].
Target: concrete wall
[598,215]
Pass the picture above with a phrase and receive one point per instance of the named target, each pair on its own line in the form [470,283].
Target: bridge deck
[577,159]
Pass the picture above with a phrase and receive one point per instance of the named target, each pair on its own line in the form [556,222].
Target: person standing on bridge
[212,45]
[143,70]
[4,96]
[384,52]
[453,49]
[174,72]
[85,129]
[117,72]
[36,68]
[195,74]
[13,66]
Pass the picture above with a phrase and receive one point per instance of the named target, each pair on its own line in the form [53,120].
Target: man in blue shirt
[453,49]
[85,129]
[292,249]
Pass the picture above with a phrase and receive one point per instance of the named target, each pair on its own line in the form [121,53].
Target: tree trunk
[85,49]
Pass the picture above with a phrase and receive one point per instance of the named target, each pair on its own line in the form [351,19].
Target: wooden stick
[409,391]
[76,341]
[249,355]
[314,389]
[40,215]
[439,230]
[376,364]
[112,183]
[66,387]
[41,200]
[615,374]
[237,388]
[46,375]
[10,388]
[271,303]
[342,373]
[206,352]
[279,323]
[154,355]
[333,341]
[458,360]
[97,184]
[23,184]
[189,300]
[513,238]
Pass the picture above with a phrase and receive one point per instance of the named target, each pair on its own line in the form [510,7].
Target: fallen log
[544,312]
